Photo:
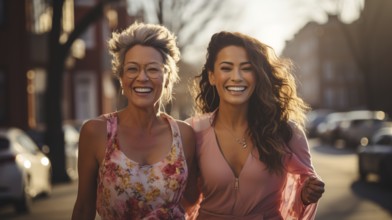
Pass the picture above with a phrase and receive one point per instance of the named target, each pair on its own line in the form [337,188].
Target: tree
[188,19]
[58,52]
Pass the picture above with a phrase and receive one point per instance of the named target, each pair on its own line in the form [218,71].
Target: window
[36,79]
[27,143]
[39,16]
[385,140]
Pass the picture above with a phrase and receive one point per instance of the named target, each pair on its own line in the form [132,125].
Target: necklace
[241,141]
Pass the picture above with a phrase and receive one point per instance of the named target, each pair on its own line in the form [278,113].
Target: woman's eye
[152,70]
[132,69]
[225,69]
[247,69]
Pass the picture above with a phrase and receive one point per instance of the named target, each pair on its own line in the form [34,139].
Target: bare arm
[192,193]
[92,143]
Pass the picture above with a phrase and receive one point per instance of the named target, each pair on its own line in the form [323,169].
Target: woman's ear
[211,78]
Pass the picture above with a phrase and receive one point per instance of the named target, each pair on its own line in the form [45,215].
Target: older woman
[133,163]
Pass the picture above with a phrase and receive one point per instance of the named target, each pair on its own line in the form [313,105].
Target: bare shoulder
[93,127]
[185,128]
[92,140]
[188,139]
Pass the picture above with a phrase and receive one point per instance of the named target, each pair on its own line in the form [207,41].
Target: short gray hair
[151,35]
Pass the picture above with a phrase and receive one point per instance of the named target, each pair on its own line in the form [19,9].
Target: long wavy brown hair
[274,107]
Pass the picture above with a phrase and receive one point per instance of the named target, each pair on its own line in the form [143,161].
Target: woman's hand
[312,190]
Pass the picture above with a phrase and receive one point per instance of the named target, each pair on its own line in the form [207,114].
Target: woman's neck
[141,119]
[232,117]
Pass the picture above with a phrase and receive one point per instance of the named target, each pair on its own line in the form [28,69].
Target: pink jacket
[255,193]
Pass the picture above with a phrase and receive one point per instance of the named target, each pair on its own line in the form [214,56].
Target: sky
[281,19]
[271,21]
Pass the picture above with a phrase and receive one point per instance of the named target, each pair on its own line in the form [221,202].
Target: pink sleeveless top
[255,194]
[128,190]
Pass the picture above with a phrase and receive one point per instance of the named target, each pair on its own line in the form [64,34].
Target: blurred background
[55,69]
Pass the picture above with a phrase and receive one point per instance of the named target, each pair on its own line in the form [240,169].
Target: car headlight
[364,141]
[45,161]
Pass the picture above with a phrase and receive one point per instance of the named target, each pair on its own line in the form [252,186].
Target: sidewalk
[58,206]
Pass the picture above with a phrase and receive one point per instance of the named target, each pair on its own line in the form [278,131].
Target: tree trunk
[54,136]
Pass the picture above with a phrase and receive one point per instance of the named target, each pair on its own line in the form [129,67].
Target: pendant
[242,142]
[244,145]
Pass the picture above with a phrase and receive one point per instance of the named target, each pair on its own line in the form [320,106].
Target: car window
[384,140]
[27,143]
[4,143]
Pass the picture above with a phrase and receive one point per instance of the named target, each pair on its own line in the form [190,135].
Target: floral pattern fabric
[128,190]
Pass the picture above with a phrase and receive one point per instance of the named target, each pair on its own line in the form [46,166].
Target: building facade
[346,66]
[89,89]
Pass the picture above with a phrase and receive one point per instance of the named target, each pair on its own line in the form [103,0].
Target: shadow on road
[372,191]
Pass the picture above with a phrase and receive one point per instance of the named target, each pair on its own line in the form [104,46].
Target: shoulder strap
[111,125]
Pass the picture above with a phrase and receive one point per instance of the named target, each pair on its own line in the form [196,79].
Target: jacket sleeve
[299,168]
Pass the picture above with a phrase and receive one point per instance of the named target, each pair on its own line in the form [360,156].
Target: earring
[122,91]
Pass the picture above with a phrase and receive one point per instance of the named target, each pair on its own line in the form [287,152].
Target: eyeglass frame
[162,70]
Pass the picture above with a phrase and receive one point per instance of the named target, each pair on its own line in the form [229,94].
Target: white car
[71,137]
[25,172]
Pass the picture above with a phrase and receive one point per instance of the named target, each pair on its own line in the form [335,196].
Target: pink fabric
[128,190]
[260,195]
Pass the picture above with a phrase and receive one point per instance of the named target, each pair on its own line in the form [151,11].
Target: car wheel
[384,175]
[362,172]
[23,204]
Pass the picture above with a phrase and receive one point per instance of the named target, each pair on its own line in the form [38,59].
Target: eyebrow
[132,62]
[230,63]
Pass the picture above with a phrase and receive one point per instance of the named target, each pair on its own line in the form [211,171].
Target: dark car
[328,131]
[376,157]
[314,118]
[362,124]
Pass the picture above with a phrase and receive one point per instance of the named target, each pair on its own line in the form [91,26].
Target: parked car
[350,126]
[71,137]
[376,157]
[314,118]
[71,143]
[328,131]
[361,124]
[25,171]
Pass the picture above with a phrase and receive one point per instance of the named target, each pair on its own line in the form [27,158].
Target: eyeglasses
[153,71]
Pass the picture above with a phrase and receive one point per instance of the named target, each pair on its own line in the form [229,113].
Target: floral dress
[128,190]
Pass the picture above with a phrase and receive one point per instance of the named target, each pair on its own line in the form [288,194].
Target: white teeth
[143,90]
[235,88]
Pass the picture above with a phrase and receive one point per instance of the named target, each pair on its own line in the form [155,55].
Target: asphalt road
[345,198]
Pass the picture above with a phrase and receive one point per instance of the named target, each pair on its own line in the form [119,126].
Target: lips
[142,89]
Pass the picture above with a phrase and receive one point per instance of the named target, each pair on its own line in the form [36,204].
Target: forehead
[232,54]
[143,55]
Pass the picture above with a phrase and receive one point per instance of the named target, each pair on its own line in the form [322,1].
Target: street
[345,197]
